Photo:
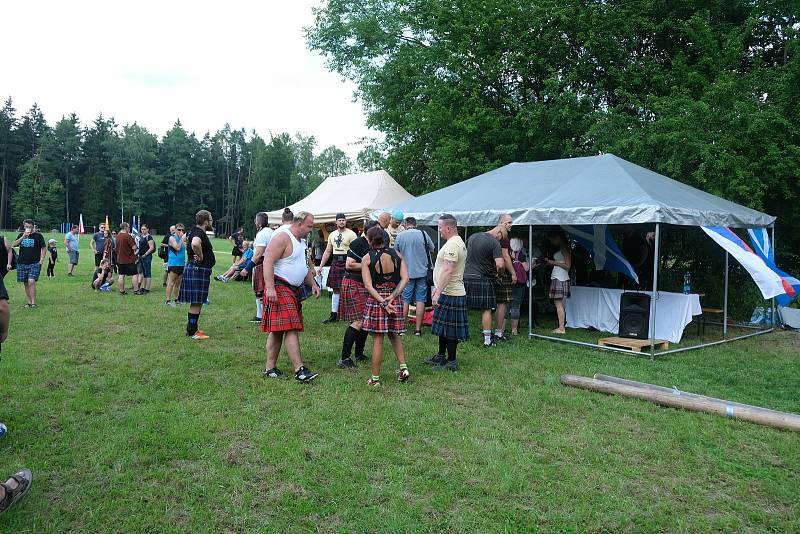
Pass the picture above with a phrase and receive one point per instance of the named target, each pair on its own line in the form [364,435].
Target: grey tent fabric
[601,189]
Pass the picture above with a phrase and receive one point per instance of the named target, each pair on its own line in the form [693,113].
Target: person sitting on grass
[236,269]
[385,276]
[103,277]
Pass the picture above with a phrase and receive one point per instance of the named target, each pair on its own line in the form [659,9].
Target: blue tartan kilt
[194,284]
[450,318]
[480,293]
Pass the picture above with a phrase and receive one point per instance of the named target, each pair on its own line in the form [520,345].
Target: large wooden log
[781,420]
[674,391]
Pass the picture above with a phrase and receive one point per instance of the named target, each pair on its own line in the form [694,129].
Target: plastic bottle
[687,283]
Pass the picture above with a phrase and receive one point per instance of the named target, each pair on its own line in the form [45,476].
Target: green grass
[128,426]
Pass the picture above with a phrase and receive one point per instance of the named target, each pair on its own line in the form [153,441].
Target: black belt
[340,257]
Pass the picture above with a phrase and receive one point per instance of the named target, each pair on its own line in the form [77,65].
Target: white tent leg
[530,281]
[656,261]
[725,302]
[466,233]
[774,309]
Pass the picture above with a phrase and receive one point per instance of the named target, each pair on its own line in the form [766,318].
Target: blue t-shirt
[415,246]
[177,259]
[248,254]
[72,242]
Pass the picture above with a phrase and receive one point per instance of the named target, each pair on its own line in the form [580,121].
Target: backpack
[162,250]
[519,269]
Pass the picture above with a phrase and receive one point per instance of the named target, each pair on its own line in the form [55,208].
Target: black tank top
[376,268]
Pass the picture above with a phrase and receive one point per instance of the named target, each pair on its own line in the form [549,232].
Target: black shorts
[127,269]
[3,291]
[176,269]
[97,259]
[236,253]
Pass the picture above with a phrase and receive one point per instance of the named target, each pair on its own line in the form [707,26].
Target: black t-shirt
[53,253]
[144,241]
[358,249]
[238,240]
[30,248]
[208,252]
[482,250]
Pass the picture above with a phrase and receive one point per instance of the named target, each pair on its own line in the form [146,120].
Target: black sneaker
[255,319]
[346,363]
[498,339]
[436,359]
[447,366]
[304,374]
[490,344]
[418,333]
[361,358]
[332,318]
[273,373]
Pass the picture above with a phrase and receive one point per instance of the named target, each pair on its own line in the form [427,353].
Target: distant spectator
[146,248]
[98,244]
[176,263]
[126,257]
[163,249]
[52,250]
[236,269]
[72,242]
[32,250]
[237,240]
[103,277]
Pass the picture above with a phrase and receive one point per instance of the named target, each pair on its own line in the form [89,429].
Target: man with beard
[484,263]
[197,273]
[263,236]
[285,271]
[338,244]
[354,297]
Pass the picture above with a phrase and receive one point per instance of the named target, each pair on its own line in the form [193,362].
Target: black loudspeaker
[634,315]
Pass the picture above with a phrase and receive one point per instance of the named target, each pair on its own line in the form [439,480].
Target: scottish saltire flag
[763,247]
[768,282]
[598,240]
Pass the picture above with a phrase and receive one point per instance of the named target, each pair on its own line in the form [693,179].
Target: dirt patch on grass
[239,453]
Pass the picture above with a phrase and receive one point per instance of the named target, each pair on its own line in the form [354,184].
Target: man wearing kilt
[263,237]
[484,263]
[385,276]
[338,244]
[449,296]
[197,273]
[354,297]
[285,271]
[504,284]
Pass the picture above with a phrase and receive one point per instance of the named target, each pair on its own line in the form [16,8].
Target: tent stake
[656,261]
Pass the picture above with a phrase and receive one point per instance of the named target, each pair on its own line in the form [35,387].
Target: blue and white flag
[607,256]
[763,247]
[768,282]
[134,227]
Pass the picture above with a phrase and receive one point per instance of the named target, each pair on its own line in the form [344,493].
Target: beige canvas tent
[355,195]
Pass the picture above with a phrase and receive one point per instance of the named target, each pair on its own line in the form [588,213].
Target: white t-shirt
[559,273]
[262,238]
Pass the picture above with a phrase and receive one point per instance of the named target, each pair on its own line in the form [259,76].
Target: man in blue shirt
[72,244]
[415,246]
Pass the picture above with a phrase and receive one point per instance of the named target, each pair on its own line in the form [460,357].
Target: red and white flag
[80,224]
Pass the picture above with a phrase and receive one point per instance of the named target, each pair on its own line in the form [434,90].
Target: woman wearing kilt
[197,273]
[559,279]
[449,296]
[385,275]
[354,297]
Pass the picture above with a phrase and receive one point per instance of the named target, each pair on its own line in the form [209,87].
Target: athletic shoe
[255,319]
[403,375]
[138,292]
[346,363]
[171,303]
[304,374]
[332,318]
[436,359]
[361,358]
[273,373]
[490,344]
[218,278]
[500,338]
[447,366]
[374,383]
[418,333]
[199,335]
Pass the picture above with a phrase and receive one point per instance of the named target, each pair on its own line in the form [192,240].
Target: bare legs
[377,351]
[562,316]
[30,290]
[288,339]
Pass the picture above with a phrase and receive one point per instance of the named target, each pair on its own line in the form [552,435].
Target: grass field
[130,427]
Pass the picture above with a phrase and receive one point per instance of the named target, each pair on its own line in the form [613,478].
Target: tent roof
[602,189]
[355,195]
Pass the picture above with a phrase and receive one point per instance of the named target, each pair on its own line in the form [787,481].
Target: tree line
[54,173]
[707,93]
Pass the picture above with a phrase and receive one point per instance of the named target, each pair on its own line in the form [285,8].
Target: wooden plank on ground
[635,345]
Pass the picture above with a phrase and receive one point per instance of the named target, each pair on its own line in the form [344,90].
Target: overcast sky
[205,63]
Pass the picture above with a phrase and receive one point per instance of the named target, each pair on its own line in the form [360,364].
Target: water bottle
[687,283]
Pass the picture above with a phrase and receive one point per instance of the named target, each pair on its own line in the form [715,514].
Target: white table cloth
[598,308]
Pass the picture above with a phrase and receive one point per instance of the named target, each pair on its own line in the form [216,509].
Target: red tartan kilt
[354,297]
[258,280]
[284,314]
[336,274]
[377,320]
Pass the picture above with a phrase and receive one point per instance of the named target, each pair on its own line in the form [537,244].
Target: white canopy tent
[602,189]
[355,195]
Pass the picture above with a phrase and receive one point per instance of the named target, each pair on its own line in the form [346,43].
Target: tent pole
[725,302]
[656,261]
[530,280]
[438,240]
[774,309]
[466,233]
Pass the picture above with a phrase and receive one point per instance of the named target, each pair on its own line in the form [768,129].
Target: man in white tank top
[285,270]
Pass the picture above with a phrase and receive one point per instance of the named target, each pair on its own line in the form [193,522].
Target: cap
[340,216]
[397,215]
[52,241]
